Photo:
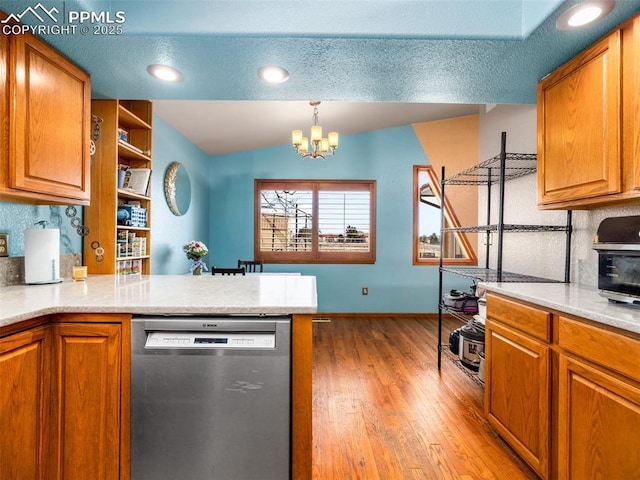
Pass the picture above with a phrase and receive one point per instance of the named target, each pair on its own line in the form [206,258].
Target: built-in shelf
[129,194]
[128,227]
[125,142]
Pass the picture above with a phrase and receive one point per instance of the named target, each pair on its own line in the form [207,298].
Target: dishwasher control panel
[203,340]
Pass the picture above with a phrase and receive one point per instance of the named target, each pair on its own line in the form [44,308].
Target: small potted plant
[196,251]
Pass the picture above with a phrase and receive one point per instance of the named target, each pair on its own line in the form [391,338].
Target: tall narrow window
[427,241]
[304,221]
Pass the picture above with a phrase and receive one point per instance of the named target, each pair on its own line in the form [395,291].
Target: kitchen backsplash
[17,217]
[12,268]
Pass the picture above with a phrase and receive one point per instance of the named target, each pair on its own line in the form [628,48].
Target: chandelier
[320,147]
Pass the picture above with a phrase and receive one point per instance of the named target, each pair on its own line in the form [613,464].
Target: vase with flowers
[195,251]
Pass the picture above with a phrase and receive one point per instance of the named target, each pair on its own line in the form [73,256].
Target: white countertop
[574,299]
[159,294]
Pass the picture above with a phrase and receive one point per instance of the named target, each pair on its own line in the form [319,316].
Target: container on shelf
[471,344]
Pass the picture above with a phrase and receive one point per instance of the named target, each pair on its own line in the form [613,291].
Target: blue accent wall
[170,232]
[387,156]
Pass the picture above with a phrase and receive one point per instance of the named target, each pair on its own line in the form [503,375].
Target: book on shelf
[132,147]
[136,180]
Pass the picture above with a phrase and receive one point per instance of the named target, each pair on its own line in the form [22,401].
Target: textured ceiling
[421,51]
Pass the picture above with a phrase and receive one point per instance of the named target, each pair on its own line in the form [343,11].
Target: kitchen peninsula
[65,349]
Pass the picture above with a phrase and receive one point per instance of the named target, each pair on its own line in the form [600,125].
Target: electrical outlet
[4,244]
[365,290]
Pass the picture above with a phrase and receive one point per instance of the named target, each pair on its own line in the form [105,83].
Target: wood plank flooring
[381,409]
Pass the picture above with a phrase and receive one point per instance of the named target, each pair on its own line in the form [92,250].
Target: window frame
[450,217]
[315,255]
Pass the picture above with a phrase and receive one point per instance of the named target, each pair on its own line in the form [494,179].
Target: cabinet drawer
[609,349]
[527,319]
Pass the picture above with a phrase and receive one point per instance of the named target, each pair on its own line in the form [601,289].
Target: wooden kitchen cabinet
[588,126]
[518,379]
[572,383]
[4,110]
[24,405]
[599,403]
[86,377]
[66,399]
[45,152]
[127,245]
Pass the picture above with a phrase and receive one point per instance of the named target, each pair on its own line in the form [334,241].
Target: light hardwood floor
[381,409]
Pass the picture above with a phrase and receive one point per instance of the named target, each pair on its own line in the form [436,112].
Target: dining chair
[227,271]
[251,266]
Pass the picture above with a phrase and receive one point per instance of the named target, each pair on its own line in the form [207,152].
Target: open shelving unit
[496,170]
[125,140]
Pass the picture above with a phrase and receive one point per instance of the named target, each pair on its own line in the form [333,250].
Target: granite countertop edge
[161,294]
[572,299]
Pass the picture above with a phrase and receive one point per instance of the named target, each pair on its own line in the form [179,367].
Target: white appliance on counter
[42,255]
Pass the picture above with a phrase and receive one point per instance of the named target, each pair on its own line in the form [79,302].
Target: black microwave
[618,245]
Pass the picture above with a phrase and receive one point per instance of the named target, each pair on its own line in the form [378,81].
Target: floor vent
[321,320]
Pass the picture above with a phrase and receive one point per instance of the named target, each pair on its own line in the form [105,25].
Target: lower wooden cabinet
[564,392]
[24,404]
[517,392]
[65,400]
[599,423]
[86,401]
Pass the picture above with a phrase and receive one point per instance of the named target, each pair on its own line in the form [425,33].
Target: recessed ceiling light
[165,72]
[273,74]
[584,13]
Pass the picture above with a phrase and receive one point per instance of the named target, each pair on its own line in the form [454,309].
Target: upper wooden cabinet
[588,126]
[47,100]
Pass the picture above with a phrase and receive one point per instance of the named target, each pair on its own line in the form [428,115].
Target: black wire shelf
[463,317]
[488,172]
[491,275]
[509,228]
[473,375]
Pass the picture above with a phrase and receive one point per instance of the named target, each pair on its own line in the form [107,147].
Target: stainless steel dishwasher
[211,398]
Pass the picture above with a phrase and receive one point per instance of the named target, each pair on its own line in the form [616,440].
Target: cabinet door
[599,423]
[517,393]
[24,403]
[579,126]
[86,401]
[50,122]
[634,104]
[4,109]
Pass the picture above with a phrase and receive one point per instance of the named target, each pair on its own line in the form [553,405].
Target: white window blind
[343,221]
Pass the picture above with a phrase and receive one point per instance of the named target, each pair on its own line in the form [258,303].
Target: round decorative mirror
[177,188]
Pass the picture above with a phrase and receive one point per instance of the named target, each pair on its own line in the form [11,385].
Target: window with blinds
[299,221]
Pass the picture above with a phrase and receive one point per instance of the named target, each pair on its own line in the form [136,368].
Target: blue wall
[169,231]
[387,156]
[221,215]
